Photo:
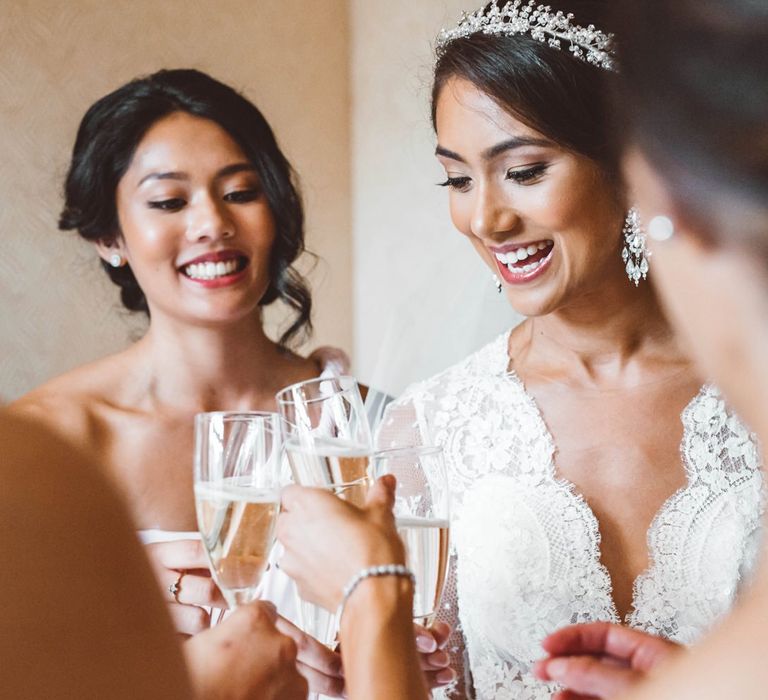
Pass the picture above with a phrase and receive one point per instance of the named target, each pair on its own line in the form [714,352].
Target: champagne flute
[328,443]
[237,496]
[422,518]
[327,436]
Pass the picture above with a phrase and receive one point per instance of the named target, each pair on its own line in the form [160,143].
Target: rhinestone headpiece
[541,23]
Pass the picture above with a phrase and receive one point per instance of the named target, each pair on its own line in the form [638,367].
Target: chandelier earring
[634,254]
[496,283]
[116,260]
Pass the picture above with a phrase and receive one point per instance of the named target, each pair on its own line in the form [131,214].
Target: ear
[110,250]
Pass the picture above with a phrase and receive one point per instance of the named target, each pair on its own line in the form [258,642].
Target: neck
[597,337]
[205,368]
[740,373]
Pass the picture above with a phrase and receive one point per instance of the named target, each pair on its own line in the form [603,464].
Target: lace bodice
[526,546]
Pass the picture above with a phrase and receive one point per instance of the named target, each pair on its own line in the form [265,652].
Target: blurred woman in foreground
[82,616]
[695,77]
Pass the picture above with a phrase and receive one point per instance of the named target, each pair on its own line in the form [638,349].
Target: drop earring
[496,283]
[116,260]
[634,253]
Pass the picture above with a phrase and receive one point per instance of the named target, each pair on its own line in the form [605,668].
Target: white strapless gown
[276,586]
[526,547]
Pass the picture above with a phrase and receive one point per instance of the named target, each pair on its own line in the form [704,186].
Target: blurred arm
[81,614]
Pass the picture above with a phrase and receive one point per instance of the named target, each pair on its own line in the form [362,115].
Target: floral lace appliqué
[526,546]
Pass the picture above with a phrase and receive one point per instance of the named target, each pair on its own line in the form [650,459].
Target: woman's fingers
[320,683]
[438,679]
[640,650]
[441,631]
[430,639]
[189,619]
[310,652]
[588,675]
[435,661]
[192,589]
[569,695]
[180,554]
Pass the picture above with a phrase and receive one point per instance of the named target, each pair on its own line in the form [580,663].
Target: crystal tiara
[541,23]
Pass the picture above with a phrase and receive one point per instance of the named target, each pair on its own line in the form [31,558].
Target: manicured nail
[439,658]
[447,675]
[426,643]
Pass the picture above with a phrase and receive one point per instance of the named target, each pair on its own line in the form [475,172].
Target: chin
[533,303]
[219,315]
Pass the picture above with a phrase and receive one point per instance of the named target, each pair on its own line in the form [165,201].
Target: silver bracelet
[373,572]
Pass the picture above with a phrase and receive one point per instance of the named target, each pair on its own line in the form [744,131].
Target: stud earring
[116,260]
[661,228]
[634,253]
[497,283]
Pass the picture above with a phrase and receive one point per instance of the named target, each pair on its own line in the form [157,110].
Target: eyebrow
[175,175]
[491,153]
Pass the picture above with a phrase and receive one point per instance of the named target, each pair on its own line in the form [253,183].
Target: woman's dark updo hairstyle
[564,98]
[694,87]
[107,139]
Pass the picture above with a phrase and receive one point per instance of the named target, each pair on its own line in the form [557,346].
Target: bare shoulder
[54,500]
[69,404]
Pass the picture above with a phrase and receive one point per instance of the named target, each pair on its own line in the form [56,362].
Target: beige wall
[345,83]
[423,299]
[57,309]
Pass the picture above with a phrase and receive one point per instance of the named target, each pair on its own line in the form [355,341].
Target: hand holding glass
[422,518]
[329,445]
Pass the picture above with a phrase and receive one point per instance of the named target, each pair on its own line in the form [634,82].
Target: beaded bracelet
[373,572]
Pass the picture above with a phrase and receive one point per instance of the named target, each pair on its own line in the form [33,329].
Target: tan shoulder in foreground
[83,617]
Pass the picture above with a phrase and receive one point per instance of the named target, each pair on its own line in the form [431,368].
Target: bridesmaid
[178,182]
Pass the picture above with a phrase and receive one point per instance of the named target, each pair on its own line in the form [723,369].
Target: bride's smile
[520,263]
[544,218]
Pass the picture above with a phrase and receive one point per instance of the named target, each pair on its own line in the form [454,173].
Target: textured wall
[423,299]
[57,309]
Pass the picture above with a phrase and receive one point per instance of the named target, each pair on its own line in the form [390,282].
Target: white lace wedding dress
[526,547]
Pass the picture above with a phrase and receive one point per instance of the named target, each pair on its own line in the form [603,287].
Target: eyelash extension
[455,183]
[528,174]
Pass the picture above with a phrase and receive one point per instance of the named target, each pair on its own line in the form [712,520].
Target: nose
[493,216]
[209,220]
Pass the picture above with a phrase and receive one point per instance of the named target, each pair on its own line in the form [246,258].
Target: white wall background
[423,299]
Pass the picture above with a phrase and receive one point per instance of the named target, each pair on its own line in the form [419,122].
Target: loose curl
[107,139]
[562,97]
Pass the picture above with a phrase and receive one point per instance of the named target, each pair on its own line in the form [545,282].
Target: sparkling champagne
[341,467]
[237,525]
[426,544]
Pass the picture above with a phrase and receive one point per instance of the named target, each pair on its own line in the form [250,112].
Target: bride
[595,474]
